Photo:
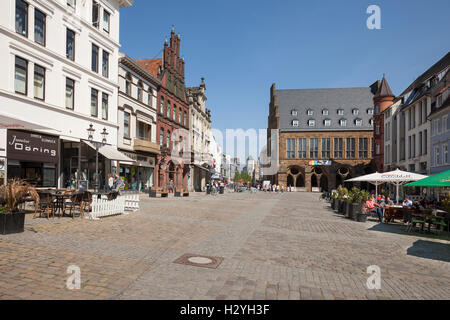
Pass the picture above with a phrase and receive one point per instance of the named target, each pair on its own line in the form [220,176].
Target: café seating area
[62,202]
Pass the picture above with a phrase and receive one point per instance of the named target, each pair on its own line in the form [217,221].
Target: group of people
[378,205]
[278,188]
[115,183]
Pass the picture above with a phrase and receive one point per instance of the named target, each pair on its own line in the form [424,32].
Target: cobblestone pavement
[275,246]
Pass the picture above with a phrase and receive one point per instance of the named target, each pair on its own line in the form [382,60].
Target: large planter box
[333,204]
[348,210]
[356,209]
[342,206]
[12,222]
[361,217]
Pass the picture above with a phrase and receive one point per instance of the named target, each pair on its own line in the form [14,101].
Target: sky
[242,47]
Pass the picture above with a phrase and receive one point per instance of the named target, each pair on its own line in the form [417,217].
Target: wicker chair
[45,205]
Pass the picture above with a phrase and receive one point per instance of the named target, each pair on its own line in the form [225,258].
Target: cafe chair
[75,201]
[45,205]
[86,201]
[414,223]
[440,225]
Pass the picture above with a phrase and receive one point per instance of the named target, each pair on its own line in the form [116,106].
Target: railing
[123,204]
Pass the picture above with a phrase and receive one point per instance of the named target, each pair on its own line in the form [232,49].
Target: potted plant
[353,200]
[334,200]
[361,216]
[12,195]
[342,195]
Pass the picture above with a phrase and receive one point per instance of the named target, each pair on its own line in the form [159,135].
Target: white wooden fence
[104,207]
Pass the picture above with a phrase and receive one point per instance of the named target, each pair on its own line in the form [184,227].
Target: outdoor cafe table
[393,212]
[59,197]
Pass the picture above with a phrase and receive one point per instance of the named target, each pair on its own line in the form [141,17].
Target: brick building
[325,136]
[382,100]
[173,115]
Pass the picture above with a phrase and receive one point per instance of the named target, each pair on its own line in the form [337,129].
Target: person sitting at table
[417,205]
[372,206]
[407,202]
[386,202]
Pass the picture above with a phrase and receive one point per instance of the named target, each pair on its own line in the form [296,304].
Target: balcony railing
[146,146]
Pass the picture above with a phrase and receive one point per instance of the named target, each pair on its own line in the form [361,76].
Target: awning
[110,152]
[10,121]
[201,167]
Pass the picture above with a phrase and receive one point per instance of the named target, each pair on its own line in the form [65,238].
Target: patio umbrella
[439,180]
[399,178]
[372,178]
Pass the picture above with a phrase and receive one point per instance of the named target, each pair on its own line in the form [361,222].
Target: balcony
[146,146]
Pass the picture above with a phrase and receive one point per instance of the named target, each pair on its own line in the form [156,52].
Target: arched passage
[290,181]
[314,181]
[300,183]
[324,183]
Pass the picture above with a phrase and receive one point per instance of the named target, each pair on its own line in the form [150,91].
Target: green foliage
[237,176]
[246,177]
[446,203]
[342,192]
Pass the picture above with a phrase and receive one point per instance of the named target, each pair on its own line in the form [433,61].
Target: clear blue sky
[242,47]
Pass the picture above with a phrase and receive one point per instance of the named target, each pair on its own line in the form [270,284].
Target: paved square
[275,246]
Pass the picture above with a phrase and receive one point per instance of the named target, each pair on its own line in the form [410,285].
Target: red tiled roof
[151,65]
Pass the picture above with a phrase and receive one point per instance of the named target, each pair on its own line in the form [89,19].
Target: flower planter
[348,210]
[341,206]
[356,209]
[361,217]
[12,222]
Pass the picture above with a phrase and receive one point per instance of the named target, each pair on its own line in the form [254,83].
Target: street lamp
[97,145]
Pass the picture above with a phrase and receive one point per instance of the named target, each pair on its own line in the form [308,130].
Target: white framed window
[377,109]
[358,122]
[371,122]
[444,124]
[325,112]
[445,153]
[438,126]
[370,111]
[377,148]
[343,122]
[310,112]
[294,112]
[340,112]
[106,21]
[437,156]
[377,129]
[295,123]
[355,112]
[72,3]
[327,122]
[311,123]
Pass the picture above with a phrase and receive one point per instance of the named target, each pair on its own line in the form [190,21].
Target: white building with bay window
[60,66]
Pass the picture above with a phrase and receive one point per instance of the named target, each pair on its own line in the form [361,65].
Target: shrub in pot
[12,195]
[342,195]
[362,214]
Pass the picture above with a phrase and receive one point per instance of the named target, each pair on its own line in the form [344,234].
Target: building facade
[60,63]
[172,165]
[200,138]
[325,136]
[410,132]
[137,121]
[440,125]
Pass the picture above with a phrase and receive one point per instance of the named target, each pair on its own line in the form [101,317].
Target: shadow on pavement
[430,250]
[401,229]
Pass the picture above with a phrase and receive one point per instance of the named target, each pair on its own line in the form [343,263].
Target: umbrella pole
[396,192]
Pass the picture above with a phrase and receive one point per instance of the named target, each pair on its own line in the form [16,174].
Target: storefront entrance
[33,157]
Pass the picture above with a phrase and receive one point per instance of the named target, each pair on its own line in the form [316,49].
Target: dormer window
[343,122]
[355,112]
[311,123]
[310,112]
[295,123]
[327,122]
[370,111]
[294,112]
[340,112]
[325,112]
[358,122]
[371,122]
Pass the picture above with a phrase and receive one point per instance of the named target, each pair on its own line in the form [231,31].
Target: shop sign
[27,146]
[140,159]
[319,163]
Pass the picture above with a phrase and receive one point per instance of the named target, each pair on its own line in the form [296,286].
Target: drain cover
[199,261]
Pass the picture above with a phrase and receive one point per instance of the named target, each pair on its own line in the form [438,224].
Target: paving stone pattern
[275,246]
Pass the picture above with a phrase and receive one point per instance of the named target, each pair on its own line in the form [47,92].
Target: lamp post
[97,145]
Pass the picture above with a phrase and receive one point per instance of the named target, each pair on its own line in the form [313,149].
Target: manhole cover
[199,261]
